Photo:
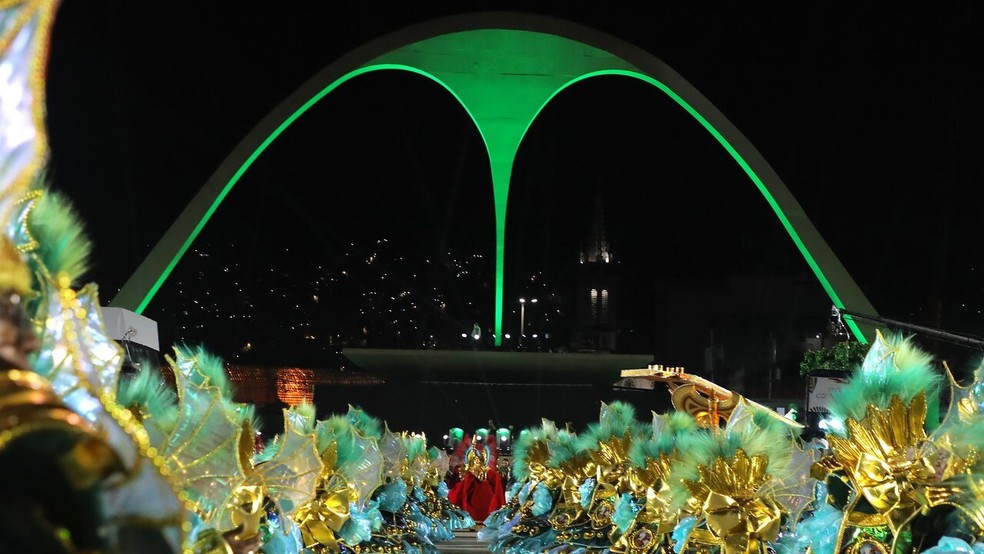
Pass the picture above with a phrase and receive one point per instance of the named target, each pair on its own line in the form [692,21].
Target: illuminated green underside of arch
[503,77]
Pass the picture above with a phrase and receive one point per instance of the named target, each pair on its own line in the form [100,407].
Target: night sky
[871,118]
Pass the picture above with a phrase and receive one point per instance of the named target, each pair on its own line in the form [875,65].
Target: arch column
[503,68]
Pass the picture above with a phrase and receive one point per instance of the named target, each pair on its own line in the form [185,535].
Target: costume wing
[366,474]
[441,464]
[794,489]
[394,453]
[202,452]
[291,474]
[76,355]
[25,28]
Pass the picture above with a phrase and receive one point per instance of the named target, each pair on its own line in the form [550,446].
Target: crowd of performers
[92,462]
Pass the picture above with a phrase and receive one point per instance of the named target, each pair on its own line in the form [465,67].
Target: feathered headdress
[533,449]
[726,478]
[893,368]
[616,420]
[879,441]
[668,429]
[149,398]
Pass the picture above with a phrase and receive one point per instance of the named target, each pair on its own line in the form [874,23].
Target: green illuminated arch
[503,68]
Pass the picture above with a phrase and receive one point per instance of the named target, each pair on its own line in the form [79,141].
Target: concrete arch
[503,68]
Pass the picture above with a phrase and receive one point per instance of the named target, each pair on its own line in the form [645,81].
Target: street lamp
[522,318]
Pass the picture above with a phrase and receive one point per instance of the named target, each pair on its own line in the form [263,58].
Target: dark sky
[871,118]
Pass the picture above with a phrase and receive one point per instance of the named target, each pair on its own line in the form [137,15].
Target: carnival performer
[961,435]
[606,445]
[76,365]
[421,511]
[403,522]
[52,461]
[436,489]
[205,440]
[893,472]
[480,490]
[522,525]
[82,365]
[344,513]
[643,521]
[734,486]
[368,496]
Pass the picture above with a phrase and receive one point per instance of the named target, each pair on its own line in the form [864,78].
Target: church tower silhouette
[597,289]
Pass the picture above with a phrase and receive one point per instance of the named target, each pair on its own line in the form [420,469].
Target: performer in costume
[52,461]
[890,470]
[205,440]
[522,524]
[734,486]
[642,520]
[606,444]
[436,489]
[480,491]
[76,360]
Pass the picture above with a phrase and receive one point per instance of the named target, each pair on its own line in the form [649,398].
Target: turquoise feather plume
[205,369]
[416,447]
[338,430]
[894,366]
[302,418]
[616,420]
[270,450]
[305,412]
[761,434]
[63,248]
[330,430]
[150,393]
[209,369]
[564,448]
[665,439]
[369,426]
[542,436]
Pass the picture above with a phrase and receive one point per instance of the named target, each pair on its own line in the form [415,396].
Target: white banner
[820,391]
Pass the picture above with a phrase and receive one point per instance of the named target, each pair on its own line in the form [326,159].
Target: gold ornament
[738,517]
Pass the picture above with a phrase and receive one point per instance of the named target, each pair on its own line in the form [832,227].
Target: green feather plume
[337,430]
[617,420]
[764,434]
[307,413]
[894,366]
[147,390]
[328,431]
[210,368]
[564,447]
[301,417]
[245,412]
[543,435]
[416,447]
[270,450]
[664,441]
[369,426]
[62,245]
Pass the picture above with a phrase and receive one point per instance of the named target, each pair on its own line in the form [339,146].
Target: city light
[522,318]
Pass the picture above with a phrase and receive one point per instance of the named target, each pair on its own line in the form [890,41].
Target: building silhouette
[596,291]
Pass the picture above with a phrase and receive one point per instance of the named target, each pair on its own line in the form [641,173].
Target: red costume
[480,491]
